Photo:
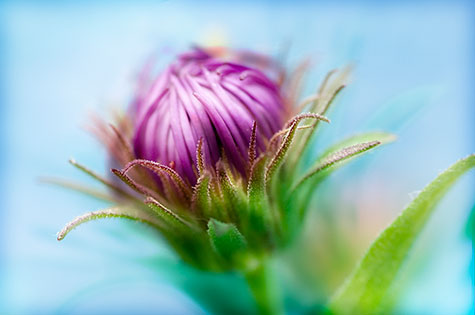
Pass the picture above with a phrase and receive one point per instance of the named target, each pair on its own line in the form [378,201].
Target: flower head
[232,180]
[203,97]
[211,160]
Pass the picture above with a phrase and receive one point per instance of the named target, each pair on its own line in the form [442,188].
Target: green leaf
[114,212]
[365,289]
[226,239]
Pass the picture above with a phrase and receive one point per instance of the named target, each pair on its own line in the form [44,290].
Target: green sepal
[233,198]
[332,85]
[186,237]
[129,213]
[380,136]
[365,290]
[281,153]
[226,240]
[217,206]
[200,201]
[332,160]
[256,189]
[173,222]
[261,221]
[100,179]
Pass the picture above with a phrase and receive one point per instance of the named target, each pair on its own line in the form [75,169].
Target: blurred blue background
[60,60]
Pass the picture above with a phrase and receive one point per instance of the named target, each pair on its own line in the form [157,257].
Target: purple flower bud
[199,96]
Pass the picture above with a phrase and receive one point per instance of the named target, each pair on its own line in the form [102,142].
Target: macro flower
[216,154]
[210,156]
[202,97]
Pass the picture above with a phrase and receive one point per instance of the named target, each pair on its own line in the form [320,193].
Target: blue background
[62,60]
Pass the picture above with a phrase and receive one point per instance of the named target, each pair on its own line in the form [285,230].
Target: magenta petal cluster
[202,97]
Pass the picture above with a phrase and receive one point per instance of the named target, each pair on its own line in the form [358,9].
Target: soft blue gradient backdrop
[60,60]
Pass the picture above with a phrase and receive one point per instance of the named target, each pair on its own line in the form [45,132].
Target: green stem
[264,289]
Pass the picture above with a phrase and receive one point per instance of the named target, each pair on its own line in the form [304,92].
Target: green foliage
[226,239]
[230,221]
[367,287]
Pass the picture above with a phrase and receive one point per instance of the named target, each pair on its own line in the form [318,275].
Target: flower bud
[202,97]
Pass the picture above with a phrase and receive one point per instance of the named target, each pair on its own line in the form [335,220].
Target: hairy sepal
[227,241]
[383,137]
[101,179]
[261,220]
[332,159]
[329,89]
[234,199]
[158,168]
[114,212]
[173,221]
[279,157]
[200,201]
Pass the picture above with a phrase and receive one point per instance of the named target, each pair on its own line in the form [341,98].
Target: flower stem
[264,289]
